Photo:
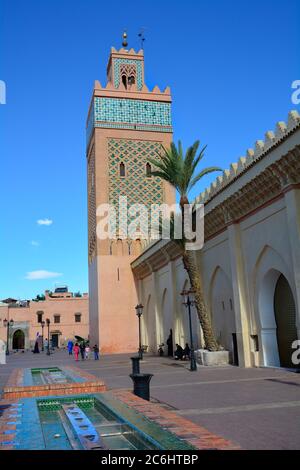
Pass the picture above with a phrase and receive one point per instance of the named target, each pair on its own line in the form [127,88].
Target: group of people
[180,352]
[36,349]
[83,349]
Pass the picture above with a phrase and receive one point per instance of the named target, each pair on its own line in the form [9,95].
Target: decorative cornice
[261,149]
[266,186]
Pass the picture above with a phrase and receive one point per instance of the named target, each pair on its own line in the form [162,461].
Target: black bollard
[135,365]
[141,385]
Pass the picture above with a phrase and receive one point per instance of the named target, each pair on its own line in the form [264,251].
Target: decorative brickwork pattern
[136,185]
[91,206]
[129,67]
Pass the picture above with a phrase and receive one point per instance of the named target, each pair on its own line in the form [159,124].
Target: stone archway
[222,311]
[278,319]
[167,316]
[18,340]
[285,318]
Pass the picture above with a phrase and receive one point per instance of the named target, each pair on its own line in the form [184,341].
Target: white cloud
[44,222]
[42,274]
[34,243]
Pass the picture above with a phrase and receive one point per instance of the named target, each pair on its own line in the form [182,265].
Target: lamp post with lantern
[48,342]
[189,300]
[139,312]
[7,324]
[42,325]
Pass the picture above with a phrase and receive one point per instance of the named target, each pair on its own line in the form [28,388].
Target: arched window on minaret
[131,80]
[124,81]
[122,169]
[148,170]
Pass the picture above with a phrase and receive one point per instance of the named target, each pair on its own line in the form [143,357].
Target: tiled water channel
[97,427]
[86,422]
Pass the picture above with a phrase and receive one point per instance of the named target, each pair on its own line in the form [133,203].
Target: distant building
[67,312]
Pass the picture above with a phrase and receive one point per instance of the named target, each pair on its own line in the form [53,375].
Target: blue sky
[230,65]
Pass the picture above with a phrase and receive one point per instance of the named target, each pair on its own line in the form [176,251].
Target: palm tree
[180,171]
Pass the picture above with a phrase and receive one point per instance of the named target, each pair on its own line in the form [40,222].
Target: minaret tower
[127,123]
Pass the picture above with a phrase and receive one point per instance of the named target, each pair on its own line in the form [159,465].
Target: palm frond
[202,173]
[178,169]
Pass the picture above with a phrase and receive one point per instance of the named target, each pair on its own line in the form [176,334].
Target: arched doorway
[18,340]
[222,310]
[269,268]
[285,318]
[277,315]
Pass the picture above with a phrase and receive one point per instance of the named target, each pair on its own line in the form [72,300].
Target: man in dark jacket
[178,352]
[170,344]
[82,349]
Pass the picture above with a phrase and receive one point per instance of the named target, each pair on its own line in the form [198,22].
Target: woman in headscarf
[36,347]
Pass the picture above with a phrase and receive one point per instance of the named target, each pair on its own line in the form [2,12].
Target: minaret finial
[124,43]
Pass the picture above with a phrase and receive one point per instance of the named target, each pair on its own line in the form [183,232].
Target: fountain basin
[66,380]
[86,422]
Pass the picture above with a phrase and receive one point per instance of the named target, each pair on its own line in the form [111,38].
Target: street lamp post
[188,301]
[48,343]
[7,324]
[139,312]
[42,325]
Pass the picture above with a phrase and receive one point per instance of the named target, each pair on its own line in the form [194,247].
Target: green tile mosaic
[132,111]
[131,114]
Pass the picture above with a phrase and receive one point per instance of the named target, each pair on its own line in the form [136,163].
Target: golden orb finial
[124,43]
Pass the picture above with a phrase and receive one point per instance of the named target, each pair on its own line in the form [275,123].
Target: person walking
[96,352]
[70,347]
[36,347]
[76,350]
[87,352]
[82,350]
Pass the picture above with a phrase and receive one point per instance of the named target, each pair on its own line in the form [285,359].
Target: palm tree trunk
[203,315]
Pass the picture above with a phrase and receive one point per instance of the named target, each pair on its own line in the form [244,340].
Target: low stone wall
[212,358]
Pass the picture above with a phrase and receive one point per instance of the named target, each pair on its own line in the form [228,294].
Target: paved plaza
[254,408]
